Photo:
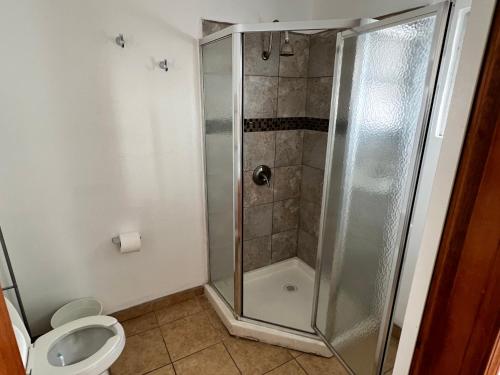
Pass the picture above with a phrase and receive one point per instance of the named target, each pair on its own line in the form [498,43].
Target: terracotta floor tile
[315,365]
[254,357]
[167,370]
[140,324]
[189,335]
[178,311]
[204,302]
[289,368]
[217,323]
[214,360]
[391,354]
[143,352]
[295,353]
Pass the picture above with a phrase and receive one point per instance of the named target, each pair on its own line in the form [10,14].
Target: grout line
[164,324]
[277,367]
[157,368]
[300,365]
[230,356]
[309,166]
[168,352]
[196,352]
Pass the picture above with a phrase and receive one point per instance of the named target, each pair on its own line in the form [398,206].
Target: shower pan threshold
[260,285]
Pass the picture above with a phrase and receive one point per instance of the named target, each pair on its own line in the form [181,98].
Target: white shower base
[267,298]
[264,333]
[264,298]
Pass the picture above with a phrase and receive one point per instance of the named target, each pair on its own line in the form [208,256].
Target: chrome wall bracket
[163,65]
[120,41]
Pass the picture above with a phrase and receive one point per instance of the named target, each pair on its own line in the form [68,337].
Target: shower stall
[314,134]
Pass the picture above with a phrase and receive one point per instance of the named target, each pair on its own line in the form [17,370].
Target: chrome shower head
[286,48]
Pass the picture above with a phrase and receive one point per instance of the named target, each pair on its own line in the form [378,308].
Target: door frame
[10,359]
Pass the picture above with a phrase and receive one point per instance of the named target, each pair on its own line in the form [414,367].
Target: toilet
[86,346]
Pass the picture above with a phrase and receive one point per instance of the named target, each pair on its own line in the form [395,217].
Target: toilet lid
[22,337]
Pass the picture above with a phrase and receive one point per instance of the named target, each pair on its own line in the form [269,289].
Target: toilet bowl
[86,346]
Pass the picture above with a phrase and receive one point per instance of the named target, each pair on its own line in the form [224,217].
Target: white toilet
[86,346]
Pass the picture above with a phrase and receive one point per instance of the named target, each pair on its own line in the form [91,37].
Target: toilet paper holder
[116,240]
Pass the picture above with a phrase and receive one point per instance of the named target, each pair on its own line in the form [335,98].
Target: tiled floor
[182,335]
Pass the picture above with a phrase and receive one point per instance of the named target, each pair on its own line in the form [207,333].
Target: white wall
[95,140]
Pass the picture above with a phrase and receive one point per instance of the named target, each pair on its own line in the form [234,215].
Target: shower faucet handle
[262,175]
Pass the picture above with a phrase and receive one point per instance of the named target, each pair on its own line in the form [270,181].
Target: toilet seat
[97,363]
[35,356]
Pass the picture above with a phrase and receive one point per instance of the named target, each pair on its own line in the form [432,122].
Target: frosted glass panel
[218,110]
[377,130]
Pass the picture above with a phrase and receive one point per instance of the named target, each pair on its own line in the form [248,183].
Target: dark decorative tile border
[285,123]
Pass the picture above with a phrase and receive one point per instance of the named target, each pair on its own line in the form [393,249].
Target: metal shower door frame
[236,33]
[237,121]
[441,10]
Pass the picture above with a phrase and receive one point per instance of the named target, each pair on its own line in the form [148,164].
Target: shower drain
[290,288]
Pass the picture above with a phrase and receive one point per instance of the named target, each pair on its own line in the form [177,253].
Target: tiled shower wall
[285,96]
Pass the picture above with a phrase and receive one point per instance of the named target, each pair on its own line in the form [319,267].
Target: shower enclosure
[314,134]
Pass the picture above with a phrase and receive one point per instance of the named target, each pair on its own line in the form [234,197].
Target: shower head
[286,48]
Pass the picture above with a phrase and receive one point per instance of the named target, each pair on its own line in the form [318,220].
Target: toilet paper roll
[130,242]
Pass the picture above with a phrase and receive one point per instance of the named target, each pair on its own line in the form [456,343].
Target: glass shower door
[384,79]
[217,75]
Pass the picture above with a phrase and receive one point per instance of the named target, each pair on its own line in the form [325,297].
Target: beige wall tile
[292,97]
[254,45]
[314,148]
[285,215]
[257,221]
[307,248]
[322,54]
[287,182]
[258,148]
[284,245]
[260,96]
[288,148]
[312,184]
[253,194]
[296,65]
[319,93]
[256,253]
